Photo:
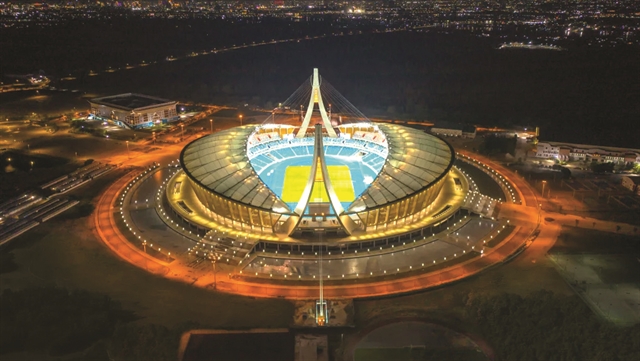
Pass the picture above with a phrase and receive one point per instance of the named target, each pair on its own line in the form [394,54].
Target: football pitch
[295,179]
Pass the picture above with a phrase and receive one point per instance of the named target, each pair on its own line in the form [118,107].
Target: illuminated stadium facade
[318,193]
[337,179]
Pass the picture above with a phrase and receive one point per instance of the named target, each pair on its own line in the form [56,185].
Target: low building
[134,110]
[593,153]
[632,183]
[450,129]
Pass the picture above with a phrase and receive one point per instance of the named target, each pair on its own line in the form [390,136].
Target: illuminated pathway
[228,279]
[108,231]
[150,221]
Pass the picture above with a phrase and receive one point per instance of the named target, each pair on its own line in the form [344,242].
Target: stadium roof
[131,101]
[219,162]
[416,159]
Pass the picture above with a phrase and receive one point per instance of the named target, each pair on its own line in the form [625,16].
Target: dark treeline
[545,326]
[56,322]
[499,145]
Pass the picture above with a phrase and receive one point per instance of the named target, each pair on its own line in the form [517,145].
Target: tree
[546,326]
[602,167]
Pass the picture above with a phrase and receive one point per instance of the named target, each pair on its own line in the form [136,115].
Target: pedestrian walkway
[225,281]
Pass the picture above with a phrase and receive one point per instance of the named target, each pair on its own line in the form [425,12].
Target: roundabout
[322,204]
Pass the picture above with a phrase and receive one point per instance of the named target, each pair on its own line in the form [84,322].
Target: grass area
[582,240]
[447,304]
[67,254]
[295,179]
[417,354]
[64,252]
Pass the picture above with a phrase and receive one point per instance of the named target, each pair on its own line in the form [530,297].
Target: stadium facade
[321,175]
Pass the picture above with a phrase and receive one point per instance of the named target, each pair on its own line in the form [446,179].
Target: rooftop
[415,161]
[131,101]
[219,162]
[467,128]
[591,147]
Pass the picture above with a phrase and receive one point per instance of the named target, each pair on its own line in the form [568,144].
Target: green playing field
[295,179]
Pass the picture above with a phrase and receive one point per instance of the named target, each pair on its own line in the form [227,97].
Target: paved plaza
[468,238]
[605,282]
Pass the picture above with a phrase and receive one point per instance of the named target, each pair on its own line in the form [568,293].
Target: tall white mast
[316,98]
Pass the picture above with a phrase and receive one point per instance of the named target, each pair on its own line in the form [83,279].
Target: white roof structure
[416,159]
[219,163]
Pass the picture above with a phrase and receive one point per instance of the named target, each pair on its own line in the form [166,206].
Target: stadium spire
[316,98]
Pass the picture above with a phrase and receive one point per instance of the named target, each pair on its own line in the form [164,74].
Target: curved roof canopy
[416,159]
[219,162]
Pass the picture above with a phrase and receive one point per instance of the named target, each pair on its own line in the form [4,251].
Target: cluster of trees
[499,145]
[546,326]
[59,322]
[606,167]
[56,321]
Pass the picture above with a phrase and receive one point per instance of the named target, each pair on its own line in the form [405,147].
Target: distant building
[134,110]
[632,183]
[450,129]
[568,151]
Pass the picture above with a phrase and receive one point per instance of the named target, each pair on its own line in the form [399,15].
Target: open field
[65,253]
[295,179]
[603,269]
[408,340]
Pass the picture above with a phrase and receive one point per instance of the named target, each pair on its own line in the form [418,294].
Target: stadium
[325,176]
[316,200]
[317,191]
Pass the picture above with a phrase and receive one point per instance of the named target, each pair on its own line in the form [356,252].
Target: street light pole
[128,152]
[215,275]
[211,124]
[240,119]
[544,183]
[182,134]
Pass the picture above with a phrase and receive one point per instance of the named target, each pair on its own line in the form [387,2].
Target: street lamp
[544,183]
[240,119]
[154,137]
[128,152]
[182,135]
[214,260]
[211,124]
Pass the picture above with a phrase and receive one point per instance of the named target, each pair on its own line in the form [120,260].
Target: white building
[569,151]
[454,130]
[134,110]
